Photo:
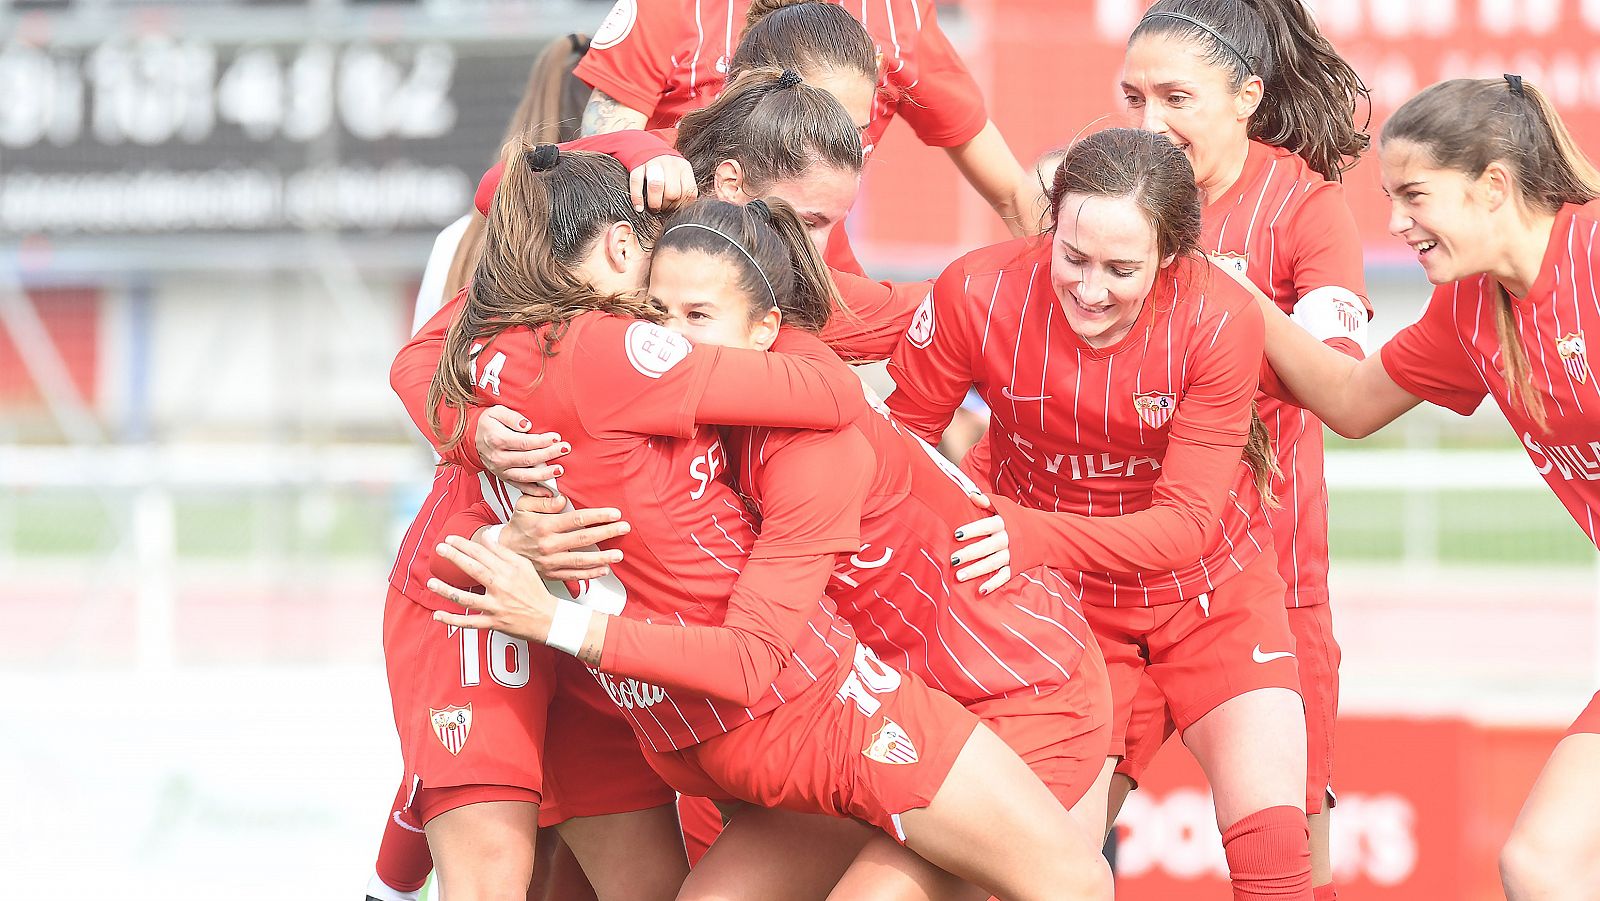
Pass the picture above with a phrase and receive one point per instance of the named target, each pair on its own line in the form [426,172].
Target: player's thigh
[632,856]
[776,855]
[484,851]
[886,871]
[1252,749]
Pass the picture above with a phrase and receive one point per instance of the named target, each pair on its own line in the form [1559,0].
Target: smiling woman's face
[1104,261]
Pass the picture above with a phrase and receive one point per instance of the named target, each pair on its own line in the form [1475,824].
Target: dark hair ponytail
[1467,123]
[778,264]
[549,113]
[812,37]
[548,211]
[1309,92]
[774,125]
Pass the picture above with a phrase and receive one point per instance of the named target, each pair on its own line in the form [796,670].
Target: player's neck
[1522,257]
[1227,174]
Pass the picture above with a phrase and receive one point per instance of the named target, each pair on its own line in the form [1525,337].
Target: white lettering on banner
[704,469]
[1571,461]
[1175,834]
[631,694]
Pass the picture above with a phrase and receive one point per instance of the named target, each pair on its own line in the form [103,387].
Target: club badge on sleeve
[452,725]
[1155,407]
[1574,356]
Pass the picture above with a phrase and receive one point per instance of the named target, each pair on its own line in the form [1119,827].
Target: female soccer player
[1262,106]
[1021,657]
[1500,206]
[1120,370]
[743,658]
[653,62]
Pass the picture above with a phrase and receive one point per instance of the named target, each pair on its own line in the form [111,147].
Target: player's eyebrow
[1121,264]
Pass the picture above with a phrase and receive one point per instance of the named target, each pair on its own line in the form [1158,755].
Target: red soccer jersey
[614,389]
[666,58]
[896,586]
[1136,446]
[1290,231]
[1451,357]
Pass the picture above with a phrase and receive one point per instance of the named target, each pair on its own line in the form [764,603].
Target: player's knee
[1081,880]
[1535,864]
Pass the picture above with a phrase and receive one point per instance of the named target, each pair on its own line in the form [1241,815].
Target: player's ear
[727,181]
[765,330]
[622,248]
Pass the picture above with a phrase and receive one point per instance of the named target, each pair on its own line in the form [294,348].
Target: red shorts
[866,741]
[1064,734]
[701,822]
[593,765]
[1150,725]
[1198,652]
[1589,720]
[474,709]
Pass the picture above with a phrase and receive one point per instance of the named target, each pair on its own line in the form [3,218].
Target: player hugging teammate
[674,559]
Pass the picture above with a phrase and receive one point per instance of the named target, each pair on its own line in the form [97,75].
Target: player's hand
[988,551]
[514,600]
[662,182]
[510,453]
[563,544]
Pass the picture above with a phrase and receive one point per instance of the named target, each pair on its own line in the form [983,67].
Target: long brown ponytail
[548,211]
[549,113]
[1467,123]
[1310,94]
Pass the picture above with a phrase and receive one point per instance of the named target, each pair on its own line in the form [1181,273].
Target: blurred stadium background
[213,217]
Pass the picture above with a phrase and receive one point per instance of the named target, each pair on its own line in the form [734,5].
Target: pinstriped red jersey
[1290,230]
[625,395]
[1451,357]
[665,58]
[897,587]
[1136,446]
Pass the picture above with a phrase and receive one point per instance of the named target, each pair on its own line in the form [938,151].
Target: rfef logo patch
[920,332]
[616,26]
[654,350]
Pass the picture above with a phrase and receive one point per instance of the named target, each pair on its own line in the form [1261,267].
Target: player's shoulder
[1212,294]
[1018,254]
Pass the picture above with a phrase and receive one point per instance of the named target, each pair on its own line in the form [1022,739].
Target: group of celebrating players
[681,579]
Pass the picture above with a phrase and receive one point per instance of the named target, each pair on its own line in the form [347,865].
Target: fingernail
[960,534]
[566,448]
[955,560]
[626,528]
[559,471]
[524,424]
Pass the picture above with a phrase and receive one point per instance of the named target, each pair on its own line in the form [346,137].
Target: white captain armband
[569,627]
[1333,312]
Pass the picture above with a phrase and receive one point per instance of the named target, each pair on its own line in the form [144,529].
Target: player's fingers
[466,555]
[656,182]
[995,581]
[589,517]
[980,500]
[452,593]
[980,547]
[465,621]
[577,575]
[984,565]
[508,417]
[636,186]
[981,527]
[532,475]
[540,503]
[578,561]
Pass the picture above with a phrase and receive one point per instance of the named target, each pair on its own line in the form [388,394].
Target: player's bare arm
[605,114]
[993,171]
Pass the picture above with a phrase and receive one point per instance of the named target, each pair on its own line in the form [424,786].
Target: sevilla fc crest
[891,745]
[452,725]
[1574,356]
[1350,314]
[1155,408]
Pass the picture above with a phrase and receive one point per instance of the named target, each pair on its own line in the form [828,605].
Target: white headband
[737,246]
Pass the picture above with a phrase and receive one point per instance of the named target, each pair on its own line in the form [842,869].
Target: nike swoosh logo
[1006,393]
[1260,657]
